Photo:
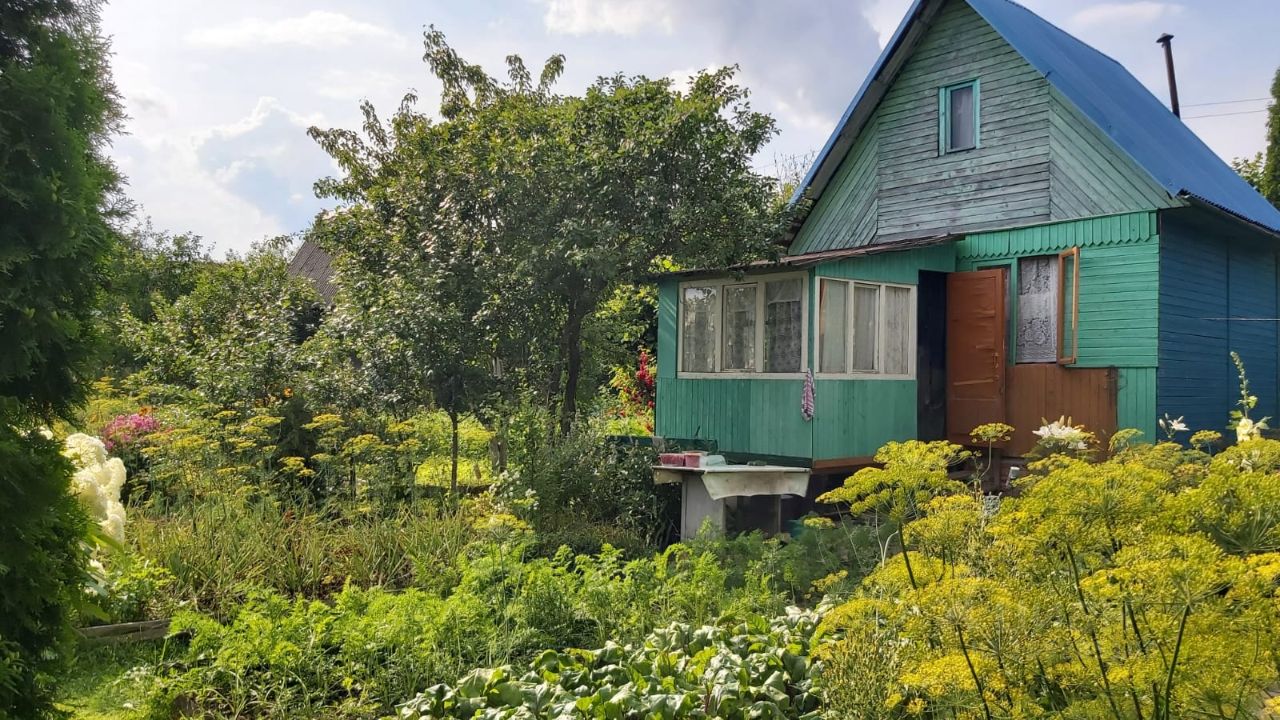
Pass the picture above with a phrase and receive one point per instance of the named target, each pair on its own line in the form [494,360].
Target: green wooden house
[1004,226]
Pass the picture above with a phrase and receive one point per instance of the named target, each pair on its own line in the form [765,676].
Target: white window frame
[720,284]
[881,331]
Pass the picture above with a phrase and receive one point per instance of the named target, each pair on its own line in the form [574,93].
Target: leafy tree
[1270,184]
[148,267]
[1251,170]
[236,336]
[556,201]
[58,109]
[1262,171]
[407,329]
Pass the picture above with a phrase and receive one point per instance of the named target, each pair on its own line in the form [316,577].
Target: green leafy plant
[752,670]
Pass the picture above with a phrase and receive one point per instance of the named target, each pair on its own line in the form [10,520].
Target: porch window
[866,328]
[783,325]
[958,118]
[739,327]
[833,306]
[698,329]
[899,315]
[729,326]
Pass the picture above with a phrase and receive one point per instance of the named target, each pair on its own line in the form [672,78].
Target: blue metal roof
[1139,124]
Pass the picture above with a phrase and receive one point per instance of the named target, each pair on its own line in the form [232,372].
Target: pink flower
[126,430]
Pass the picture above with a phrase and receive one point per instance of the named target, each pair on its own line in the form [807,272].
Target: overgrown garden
[432,497]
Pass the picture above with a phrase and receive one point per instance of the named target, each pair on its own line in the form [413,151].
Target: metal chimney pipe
[1167,41]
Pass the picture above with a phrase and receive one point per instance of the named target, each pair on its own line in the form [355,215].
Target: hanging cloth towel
[806,398]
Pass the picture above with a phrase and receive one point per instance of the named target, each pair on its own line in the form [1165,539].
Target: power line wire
[1210,115]
[1225,102]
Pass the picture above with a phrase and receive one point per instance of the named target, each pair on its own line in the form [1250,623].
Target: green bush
[134,588]
[42,568]
[1142,585]
[585,491]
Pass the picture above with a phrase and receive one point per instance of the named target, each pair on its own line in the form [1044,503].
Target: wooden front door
[976,349]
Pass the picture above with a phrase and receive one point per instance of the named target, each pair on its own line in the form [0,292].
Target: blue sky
[220,94]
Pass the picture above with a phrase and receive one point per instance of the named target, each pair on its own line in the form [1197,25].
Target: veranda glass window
[899,315]
[866,314]
[698,329]
[833,325]
[866,328]
[783,325]
[1036,336]
[739,328]
[736,326]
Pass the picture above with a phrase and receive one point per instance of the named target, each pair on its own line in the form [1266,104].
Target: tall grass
[219,549]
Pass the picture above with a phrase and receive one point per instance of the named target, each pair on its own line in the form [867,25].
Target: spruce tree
[58,110]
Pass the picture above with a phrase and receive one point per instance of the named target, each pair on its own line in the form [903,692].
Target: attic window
[958,122]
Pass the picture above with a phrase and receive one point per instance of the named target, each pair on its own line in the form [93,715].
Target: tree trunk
[453,452]
[573,367]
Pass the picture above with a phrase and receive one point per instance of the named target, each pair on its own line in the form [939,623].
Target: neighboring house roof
[314,264]
[1136,121]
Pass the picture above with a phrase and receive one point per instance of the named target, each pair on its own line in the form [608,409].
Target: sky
[220,94]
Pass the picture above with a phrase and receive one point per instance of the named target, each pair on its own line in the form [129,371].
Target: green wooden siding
[1136,400]
[1119,279]
[741,415]
[1088,175]
[853,418]
[668,327]
[1006,180]
[1213,269]
[847,215]
[1040,159]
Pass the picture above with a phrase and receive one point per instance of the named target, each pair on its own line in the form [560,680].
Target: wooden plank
[845,463]
[1045,391]
[127,632]
[1094,169]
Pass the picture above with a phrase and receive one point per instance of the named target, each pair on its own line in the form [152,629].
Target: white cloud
[799,114]
[179,194]
[1144,11]
[682,80]
[349,86]
[884,16]
[316,29]
[620,17]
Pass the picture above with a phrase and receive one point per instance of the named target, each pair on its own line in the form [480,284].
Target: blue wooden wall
[1218,293]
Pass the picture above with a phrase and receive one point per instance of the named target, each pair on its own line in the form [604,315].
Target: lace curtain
[783,325]
[739,351]
[1037,331]
[698,331]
